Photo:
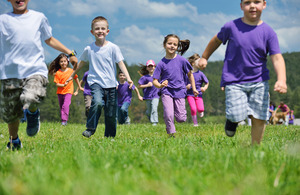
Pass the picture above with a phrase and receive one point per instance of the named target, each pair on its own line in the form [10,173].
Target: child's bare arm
[56,44]
[80,65]
[125,71]
[138,94]
[279,67]
[150,84]
[192,81]
[204,88]
[158,85]
[213,44]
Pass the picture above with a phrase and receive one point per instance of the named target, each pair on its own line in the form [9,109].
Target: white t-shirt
[102,64]
[21,50]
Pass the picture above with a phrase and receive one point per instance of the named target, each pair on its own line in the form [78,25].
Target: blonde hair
[97,19]
[192,59]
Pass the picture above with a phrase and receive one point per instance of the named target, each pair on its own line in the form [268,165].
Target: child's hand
[188,86]
[201,63]
[69,79]
[150,84]
[130,83]
[66,82]
[280,87]
[141,98]
[203,89]
[75,93]
[222,88]
[164,83]
[196,93]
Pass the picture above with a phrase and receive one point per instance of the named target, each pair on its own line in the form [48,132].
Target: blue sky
[138,26]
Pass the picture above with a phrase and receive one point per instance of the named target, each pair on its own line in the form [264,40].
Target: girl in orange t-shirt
[59,68]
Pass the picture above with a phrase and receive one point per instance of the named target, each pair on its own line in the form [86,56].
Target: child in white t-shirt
[23,71]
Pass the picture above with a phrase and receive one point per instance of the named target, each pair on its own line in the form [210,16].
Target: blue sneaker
[14,146]
[33,123]
[88,133]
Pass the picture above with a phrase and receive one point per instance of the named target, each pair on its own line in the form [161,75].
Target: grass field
[143,160]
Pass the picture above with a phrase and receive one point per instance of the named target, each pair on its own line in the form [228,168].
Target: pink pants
[173,107]
[64,101]
[196,104]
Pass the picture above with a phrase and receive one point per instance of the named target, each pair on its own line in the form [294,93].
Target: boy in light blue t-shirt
[102,56]
[23,71]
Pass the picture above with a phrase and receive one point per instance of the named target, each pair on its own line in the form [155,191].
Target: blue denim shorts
[247,99]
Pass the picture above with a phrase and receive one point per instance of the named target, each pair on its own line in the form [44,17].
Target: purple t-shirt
[174,70]
[246,52]
[124,93]
[149,92]
[87,89]
[200,78]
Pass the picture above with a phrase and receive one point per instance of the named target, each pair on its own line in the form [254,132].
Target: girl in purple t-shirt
[196,102]
[150,91]
[171,72]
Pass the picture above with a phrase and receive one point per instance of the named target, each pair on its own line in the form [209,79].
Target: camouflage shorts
[19,94]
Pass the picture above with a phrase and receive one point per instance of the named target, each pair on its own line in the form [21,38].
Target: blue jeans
[107,98]
[123,112]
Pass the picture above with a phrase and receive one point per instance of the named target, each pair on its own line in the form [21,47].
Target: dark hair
[143,71]
[193,58]
[183,45]
[97,19]
[54,65]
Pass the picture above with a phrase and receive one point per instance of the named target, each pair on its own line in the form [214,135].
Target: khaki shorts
[19,94]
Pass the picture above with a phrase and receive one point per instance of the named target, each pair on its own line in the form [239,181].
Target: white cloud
[138,44]
[288,38]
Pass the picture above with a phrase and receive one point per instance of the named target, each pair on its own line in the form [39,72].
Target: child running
[23,71]
[196,102]
[124,98]
[59,68]
[102,57]
[171,71]
[245,75]
[86,92]
[150,91]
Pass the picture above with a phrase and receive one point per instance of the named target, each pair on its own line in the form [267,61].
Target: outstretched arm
[56,44]
[80,65]
[213,44]
[125,71]
[279,67]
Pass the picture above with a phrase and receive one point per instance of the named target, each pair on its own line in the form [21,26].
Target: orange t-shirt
[61,77]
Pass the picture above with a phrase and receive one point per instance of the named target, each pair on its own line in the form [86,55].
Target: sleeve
[187,67]
[273,44]
[84,56]
[204,78]
[118,57]
[46,30]
[223,35]
[157,72]
[141,81]
[56,78]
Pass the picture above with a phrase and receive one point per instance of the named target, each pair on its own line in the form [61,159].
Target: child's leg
[65,109]
[192,102]
[61,98]
[110,109]
[179,110]
[168,106]
[257,130]
[154,112]
[13,129]
[96,107]
[87,102]
[199,104]
[148,109]
[123,112]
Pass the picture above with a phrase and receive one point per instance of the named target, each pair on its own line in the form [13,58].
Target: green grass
[142,160]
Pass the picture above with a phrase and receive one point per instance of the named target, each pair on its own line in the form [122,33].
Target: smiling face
[19,6]
[100,30]
[63,62]
[171,46]
[122,78]
[252,11]
[150,69]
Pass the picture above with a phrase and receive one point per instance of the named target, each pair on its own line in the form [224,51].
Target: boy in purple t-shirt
[245,75]
[124,98]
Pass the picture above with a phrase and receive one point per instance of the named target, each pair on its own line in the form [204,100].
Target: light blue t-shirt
[21,50]
[102,64]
